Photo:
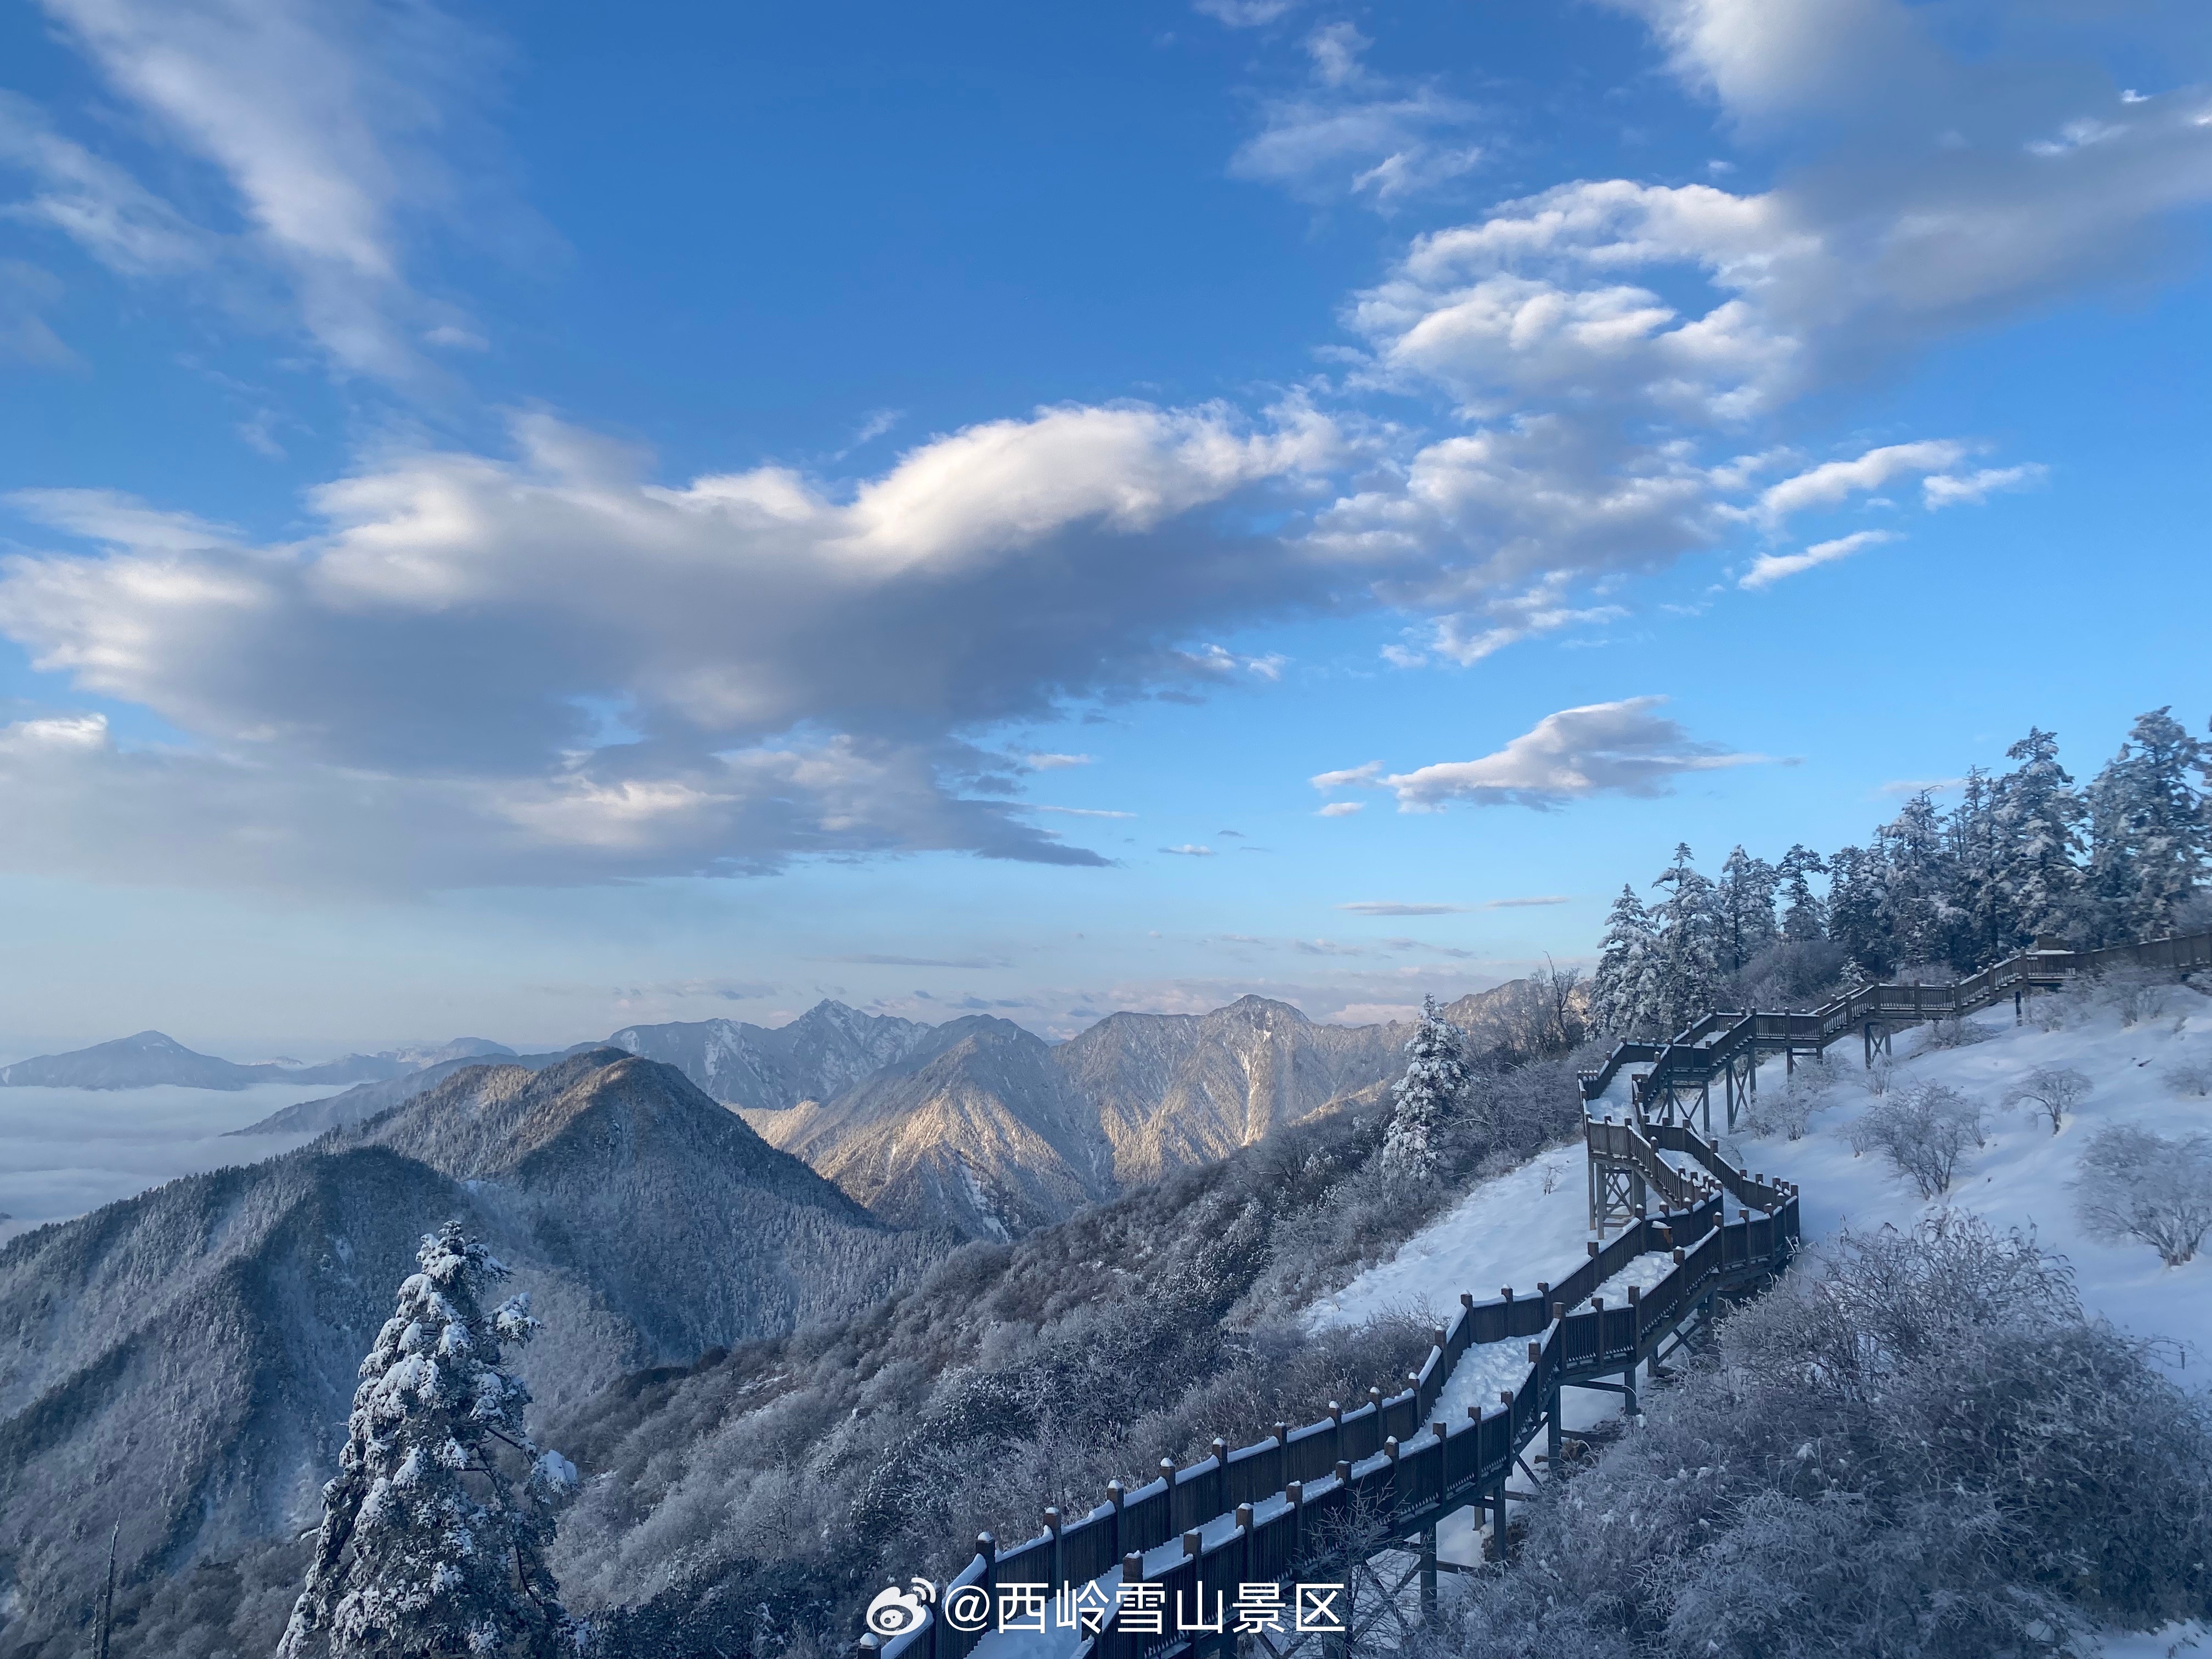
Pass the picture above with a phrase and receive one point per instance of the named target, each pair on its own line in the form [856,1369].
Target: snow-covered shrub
[2135,994]
[2050,1091]
[435,1528]
[2061,1011]
[1788,1111]
[1923,1131]
[1915,1444]
[1951,1034]
[2137,1184]
[2190,1076]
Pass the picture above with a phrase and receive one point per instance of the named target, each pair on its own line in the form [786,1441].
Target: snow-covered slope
[2021,1177]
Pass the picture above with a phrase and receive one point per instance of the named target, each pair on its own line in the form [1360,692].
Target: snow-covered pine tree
[1620,999]
[2038,816]
[434,1531]
[1979,907]
[1687,954]
[1745,901]
[1916,883]
[1855,921]
[2151,828]
[1435,1080]
[1803,916]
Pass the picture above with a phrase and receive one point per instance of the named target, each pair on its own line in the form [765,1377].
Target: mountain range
[978,1125]
[180,1364]
[150,1059]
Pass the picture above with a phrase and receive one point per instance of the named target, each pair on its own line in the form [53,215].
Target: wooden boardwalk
[1378,1477]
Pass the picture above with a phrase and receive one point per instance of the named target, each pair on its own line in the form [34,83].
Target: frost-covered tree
[1803,917]
[1917,881]
[1686,955]
[1434,1079]
[2038,816]
[434,1531]
[1744,904]
[2149,829]
[1978,903]
[1855,912]
[1622,999]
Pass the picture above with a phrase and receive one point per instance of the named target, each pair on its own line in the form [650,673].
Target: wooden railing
[1257,1513]
[1713,1047]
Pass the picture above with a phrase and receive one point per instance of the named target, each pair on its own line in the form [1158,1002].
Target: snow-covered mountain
[988,1128]
[825,1051]
[195,1345]
[977,1128]
[149,1059]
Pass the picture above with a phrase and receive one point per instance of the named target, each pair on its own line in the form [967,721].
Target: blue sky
[524,521]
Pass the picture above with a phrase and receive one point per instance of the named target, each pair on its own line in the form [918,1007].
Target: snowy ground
[1511,1231]
[2019,1179]
[63,1151]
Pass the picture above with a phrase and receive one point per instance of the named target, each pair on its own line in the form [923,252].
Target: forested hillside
[2019,855]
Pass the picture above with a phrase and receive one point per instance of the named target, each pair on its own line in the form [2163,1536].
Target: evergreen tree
[434,1531]
[2154,833]
[1856,920]
[1435,1080]
[1978,903]
[1686,958]
[1915,879]
[1745,903]
[2038,816]
[1621,1001]
[1803,916]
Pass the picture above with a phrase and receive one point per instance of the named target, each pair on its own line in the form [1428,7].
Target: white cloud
[1834,481]
[97,204]
[1080,811]
[795,667]
[1609,748]
[1771,567]
[1377,909]
[1350,134]
[1190,850]
[1350,777]
[335,129]
[1243,14]
[1054,763]
[1342,809]
[1943,490]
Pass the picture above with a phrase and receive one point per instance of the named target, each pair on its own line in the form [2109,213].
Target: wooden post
[1052,1521]
[1428,1572]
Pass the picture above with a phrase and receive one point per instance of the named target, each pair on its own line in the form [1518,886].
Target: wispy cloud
[1351,134]
[1053,763]
[1771,567]
[1342,809]
[1376,908]
[1080,811]
[1189,850]
[873,960]
[1622,748]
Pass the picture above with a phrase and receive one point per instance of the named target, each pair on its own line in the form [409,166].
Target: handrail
[1248,1511]
[1246,1515]
[1700,1051]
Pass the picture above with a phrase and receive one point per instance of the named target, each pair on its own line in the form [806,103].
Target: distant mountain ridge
[151,1059]
[205,1334]
[978,1124]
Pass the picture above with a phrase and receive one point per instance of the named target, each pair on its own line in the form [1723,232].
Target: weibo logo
[897,1609]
